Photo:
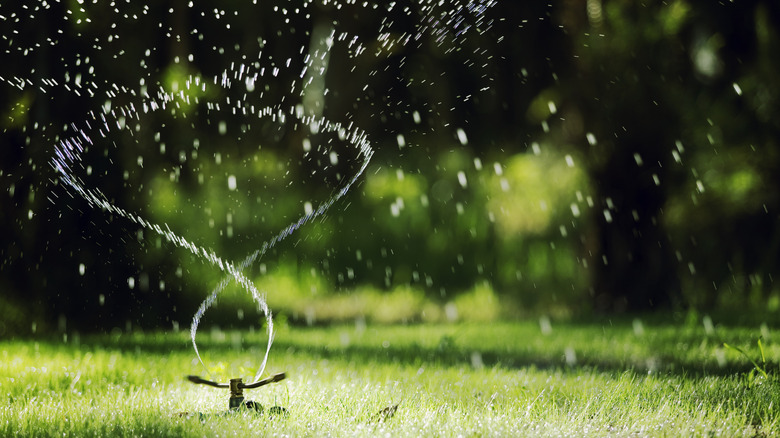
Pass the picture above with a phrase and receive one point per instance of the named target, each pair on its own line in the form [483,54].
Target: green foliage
[665,106]
[759,370]
[510,219]
[480,304]
[533,193]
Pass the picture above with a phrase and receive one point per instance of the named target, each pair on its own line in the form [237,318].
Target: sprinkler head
[237,387]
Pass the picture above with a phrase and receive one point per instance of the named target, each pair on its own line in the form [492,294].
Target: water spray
[68,160]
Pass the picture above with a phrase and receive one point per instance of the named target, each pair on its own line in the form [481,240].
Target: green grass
[502,379]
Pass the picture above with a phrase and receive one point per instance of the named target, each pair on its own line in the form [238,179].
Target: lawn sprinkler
[236,403]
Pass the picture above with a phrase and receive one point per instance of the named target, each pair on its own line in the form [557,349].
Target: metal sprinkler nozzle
[236,393]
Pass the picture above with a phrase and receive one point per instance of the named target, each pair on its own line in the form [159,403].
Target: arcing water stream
[448,24]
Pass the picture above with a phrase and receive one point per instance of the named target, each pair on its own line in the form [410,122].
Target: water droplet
[395,211]
[462,137]
[738,89]
[639,328]
[401,141]
[334,158]
[709,327]
[575,210]
[569,160]
[545,325]
[607,216]
[591,139]
[450,310]
[232,182]
[307,208]
[82,269]
[476,360]
[462,179]
[638,159]
[570,356]
[131,282]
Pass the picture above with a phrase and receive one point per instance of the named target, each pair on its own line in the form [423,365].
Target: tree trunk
[635,268]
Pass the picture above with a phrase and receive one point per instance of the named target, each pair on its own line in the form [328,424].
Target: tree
[635,93]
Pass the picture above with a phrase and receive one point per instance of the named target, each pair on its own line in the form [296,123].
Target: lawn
[531,378]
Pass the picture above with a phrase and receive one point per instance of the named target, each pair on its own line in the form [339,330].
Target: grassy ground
[504,379]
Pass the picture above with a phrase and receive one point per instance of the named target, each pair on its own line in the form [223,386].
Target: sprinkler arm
[201,380]
[241,385]
[275,378]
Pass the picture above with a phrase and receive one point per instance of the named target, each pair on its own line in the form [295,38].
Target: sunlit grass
[502,379]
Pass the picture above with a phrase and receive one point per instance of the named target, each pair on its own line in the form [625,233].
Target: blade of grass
[755,364]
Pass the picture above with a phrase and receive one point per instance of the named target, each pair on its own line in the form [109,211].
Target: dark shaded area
[671,109]
[667,353]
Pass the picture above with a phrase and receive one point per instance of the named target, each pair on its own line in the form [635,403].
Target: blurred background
[569,159]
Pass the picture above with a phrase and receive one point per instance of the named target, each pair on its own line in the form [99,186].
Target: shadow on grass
[414,355]
[666,351]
